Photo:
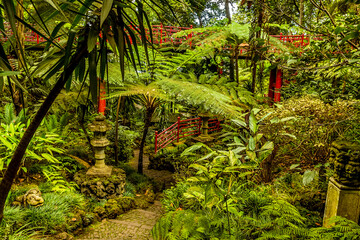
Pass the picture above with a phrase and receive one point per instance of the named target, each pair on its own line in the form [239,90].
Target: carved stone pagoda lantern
[99,126]
[204,135]
[343,195]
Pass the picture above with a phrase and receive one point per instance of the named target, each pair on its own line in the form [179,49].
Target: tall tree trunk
[18,155]
[301,19]
[227,10]
[147,121]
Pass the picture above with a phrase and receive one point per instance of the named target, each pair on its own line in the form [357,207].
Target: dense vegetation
[264,176]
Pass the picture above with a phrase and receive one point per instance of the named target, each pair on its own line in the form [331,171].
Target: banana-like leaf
[105,10]
[93,76]
[57,7]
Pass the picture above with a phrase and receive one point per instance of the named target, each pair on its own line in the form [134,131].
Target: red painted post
[280,36]
[278,83]
[302,40]
[156,138]
[102,100]
[161,33]
[178,129]
[37,38]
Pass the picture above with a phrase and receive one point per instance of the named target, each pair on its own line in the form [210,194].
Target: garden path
[137,223]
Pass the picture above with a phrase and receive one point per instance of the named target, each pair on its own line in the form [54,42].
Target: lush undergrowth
[250,185]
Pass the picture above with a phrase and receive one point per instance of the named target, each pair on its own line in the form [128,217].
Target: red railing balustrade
[182,129]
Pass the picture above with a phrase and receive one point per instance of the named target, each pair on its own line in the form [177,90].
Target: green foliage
[310,127]
[56,124]
[126,142]
[52,217]
[342,228]
[43,150]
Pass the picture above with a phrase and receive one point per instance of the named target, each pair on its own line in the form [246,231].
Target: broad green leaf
[189,150]
[309,176]
[57,7]
[267,146]
[232,158]
[198,167]
[54,34]
[92,39]
[252,144]
[288,134]
[239,149]
[207,156]
[49,158]
[105,10]
[287,119]
[103,59]
[258,137]
[251,155]
[8,144]
[239,123]
[253,122]
[264,117]
[93,77]
[210,196]
[275,120]
[82,67]
[294,166]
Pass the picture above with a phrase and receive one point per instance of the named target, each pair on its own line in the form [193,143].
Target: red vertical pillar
[278,84]
[102,101]
[161,33]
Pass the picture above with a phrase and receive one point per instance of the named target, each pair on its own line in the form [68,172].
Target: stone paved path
[137,223]
[133,225]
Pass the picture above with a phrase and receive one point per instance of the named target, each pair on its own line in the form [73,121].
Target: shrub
[303,129]
[126,142]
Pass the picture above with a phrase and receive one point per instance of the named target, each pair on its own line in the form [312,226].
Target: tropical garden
[147,64]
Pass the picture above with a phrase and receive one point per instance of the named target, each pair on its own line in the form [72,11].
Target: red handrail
[164,34]
[182,129]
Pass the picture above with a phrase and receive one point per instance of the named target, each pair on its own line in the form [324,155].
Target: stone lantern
[99,126]
[343,195]
[204,136]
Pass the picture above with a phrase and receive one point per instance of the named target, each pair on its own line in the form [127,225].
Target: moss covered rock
[102,187]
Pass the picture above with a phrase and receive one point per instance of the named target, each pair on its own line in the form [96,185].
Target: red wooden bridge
[182,129]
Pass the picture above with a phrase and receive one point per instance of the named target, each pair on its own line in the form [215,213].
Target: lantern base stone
[104,171]
[341,201]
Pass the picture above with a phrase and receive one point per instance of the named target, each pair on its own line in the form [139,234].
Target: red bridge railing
[182,129]
[164,34]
